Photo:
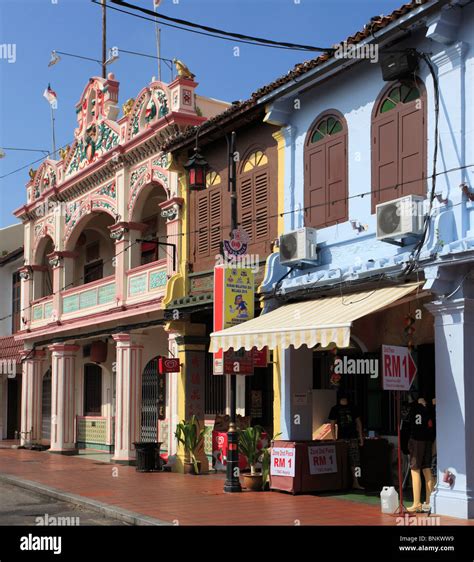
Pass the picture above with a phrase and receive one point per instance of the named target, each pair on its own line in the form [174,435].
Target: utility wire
[212,31]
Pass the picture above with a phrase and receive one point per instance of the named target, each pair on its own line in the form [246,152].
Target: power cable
[211,31]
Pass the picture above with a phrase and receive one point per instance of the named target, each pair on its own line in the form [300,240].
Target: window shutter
[315,186]
[261,206]
[246,205]
[385,153]
[202,223]
[215,223]
[412,143]
[336,171]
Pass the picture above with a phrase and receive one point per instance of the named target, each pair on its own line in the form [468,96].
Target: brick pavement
[187,500]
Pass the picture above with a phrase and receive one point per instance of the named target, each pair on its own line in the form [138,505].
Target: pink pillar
[31,394]
[128,397]
[63,414]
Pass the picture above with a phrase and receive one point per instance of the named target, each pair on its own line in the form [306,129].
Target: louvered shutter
[315,186]
[202,237]
[412,150]
[215,222]
[336,181]
[246,205]
[385,154]
[261,205]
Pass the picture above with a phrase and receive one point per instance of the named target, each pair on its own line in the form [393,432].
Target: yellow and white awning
[321,321]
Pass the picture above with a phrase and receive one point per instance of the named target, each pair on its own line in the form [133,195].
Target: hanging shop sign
[238,362]
[168,365]
[237,245]
[260,357]
[233,304]
[282,461]
[399,369]
[322,459]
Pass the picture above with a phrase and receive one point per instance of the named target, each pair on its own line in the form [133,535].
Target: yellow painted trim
[277,390]
[280,138]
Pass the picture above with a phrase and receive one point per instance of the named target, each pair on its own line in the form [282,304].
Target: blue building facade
[344,104]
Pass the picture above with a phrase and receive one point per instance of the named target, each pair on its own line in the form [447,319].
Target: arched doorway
[46,407]
[153,401]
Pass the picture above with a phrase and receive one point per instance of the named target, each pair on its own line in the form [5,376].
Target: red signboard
[168,365]
[399,369]
[238,363]
[260,357]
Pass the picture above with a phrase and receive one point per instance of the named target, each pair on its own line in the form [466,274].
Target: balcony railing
[96,296]
[146,281]
[42,311]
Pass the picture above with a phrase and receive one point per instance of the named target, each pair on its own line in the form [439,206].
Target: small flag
[156,3]
[51,96]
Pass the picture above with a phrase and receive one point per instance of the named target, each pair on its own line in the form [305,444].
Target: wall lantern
[197,169]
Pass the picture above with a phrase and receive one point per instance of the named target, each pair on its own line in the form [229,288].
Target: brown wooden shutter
[412,149]
[246,205]
[315,185]
[202,224]
[215,222]
[385,153]
[336,180]
[262,205]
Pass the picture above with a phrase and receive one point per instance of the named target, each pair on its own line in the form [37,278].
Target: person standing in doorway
[346,417]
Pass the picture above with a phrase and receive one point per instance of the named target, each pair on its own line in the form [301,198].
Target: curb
[123,515]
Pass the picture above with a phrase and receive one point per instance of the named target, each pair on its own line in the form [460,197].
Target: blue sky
[38,26]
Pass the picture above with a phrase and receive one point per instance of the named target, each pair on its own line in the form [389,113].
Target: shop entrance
[150,402]
[259,398]
[13,407]
[46,407]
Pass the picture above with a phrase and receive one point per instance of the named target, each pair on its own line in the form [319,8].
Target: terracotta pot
[253,482]
[189,468]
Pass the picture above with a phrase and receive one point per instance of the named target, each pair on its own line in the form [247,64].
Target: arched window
[325,174]
[253,196]
[92,390]
[399,142]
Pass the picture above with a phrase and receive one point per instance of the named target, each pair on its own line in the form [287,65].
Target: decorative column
[454,354]
[127,254]
[170,210]
[31,395]
[63,411]
[62,264]
[128,397]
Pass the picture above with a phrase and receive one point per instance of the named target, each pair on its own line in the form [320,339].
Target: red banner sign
[168,365]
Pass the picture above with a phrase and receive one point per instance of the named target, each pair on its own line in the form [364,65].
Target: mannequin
[420,447]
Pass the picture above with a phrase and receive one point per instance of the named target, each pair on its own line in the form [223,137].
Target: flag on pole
[51,96]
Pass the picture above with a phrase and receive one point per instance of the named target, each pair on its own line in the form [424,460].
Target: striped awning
[322,321]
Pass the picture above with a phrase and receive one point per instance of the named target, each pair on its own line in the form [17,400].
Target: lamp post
[232,482]
[197,167]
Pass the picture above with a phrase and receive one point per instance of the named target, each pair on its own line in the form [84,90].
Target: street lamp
[197,168]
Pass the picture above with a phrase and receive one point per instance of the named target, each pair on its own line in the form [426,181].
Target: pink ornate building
[94,277]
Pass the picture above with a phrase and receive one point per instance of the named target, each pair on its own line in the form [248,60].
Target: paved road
[22,507]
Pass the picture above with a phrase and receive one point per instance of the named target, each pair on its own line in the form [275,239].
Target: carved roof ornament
[127,106]
[182,70]
[63,152]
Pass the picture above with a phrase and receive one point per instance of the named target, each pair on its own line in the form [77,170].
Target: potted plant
[266,457]
[250,447]
[191,437]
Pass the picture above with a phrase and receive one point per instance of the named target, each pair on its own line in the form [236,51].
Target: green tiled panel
[92,431]
[70,304]
[107,293]
[137,285]
[158,279]
[88,299]
[48,310]
[38,312]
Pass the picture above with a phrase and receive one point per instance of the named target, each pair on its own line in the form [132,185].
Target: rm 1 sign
[322,459]
[282,461]
[399,369]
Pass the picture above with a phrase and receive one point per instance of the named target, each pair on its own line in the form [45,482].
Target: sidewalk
[160,498]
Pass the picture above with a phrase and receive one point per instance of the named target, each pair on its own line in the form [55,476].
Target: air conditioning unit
[298,246]
[400,217]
